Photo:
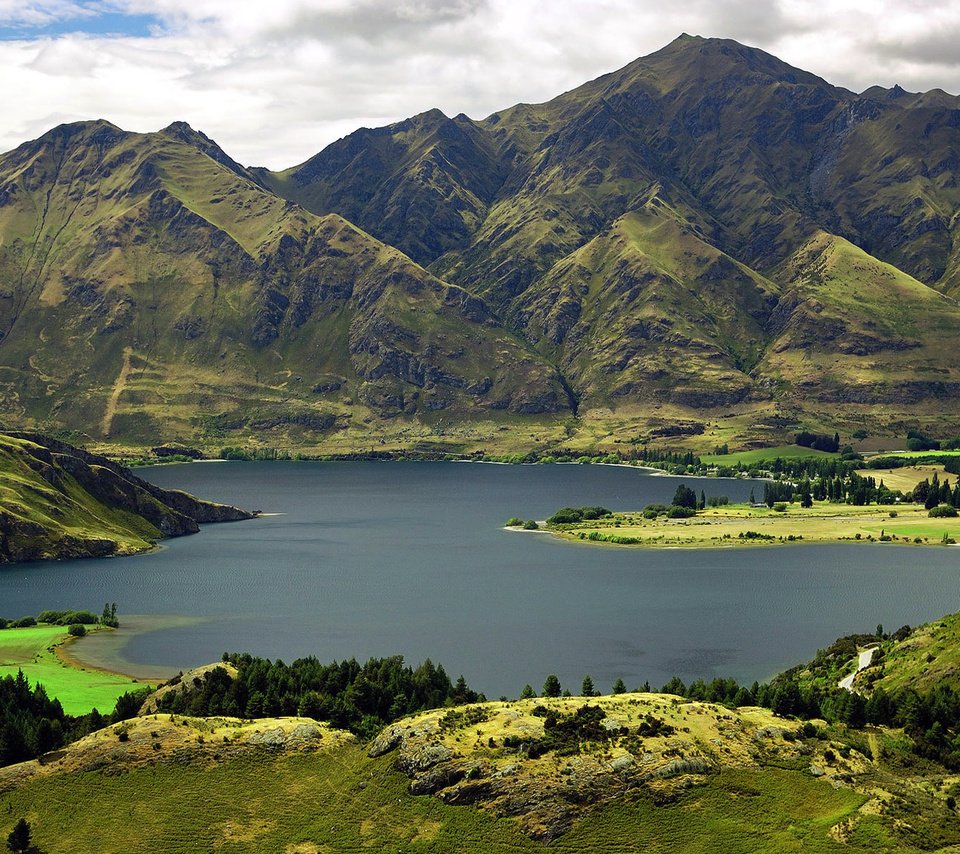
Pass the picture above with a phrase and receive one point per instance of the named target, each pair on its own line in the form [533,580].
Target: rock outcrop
[63,502]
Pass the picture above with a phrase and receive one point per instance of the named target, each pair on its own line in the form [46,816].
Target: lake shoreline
[103,651]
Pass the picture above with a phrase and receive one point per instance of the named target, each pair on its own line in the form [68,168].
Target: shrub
[893,514]
[77,630]
[514,521]
[942,511]
[530,525]
[780,507]
[678,512]
[23,623]
[566,516]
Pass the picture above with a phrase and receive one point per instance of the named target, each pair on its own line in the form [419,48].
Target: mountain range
[707,242]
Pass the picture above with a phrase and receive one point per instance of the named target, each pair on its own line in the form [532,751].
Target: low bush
[942,511]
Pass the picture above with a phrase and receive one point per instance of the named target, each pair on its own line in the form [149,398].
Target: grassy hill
[709,777]
[919,659]
[57,501]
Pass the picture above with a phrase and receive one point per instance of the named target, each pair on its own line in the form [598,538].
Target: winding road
[863,662]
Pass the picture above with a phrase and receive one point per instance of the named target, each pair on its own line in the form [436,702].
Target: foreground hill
[635,772]
[57,501]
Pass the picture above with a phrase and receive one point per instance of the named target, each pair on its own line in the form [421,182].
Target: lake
[383,558]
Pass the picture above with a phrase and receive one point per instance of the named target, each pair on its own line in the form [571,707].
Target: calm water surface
[374,559]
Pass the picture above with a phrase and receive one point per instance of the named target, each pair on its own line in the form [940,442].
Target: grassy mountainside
[59,502]
[703,230]
[919,659]
[179,298]
[706,235]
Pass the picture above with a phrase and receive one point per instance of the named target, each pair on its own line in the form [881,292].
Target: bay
[374,559]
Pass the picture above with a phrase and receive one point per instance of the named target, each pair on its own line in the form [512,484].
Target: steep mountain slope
[707,235]
[175,295]
[423,185]
[675,230]
[57,501]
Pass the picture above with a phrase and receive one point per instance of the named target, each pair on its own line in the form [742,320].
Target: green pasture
[762,455]
[79,690]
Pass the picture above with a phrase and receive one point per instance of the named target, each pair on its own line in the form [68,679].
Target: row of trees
[361,698]
[819,442]
[932,493]
[65,618]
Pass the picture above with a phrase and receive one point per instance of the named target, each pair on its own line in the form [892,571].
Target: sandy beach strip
[104,650]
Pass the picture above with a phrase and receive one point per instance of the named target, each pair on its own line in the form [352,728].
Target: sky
[275,81]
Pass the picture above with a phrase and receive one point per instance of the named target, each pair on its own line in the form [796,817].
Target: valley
[710,290]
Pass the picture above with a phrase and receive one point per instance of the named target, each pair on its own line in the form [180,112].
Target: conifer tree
[19,838]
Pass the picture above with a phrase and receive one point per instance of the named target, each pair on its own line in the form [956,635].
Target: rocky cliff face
[59,502]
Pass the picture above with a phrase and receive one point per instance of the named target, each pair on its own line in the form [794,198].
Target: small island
[693,521]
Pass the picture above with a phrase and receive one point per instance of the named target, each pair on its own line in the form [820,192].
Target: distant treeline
[359,697]
[65,618]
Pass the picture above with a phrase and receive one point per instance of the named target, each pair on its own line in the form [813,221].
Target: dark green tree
[586,689]
[551,688]
[619,687]
[527,693]
[787,699]
[19,838]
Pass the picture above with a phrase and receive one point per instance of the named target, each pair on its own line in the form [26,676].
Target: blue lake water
[374,559]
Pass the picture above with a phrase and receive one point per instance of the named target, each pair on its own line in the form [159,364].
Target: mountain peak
[89,128]
[183,132]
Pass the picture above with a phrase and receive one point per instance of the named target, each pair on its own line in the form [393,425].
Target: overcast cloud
[274,81]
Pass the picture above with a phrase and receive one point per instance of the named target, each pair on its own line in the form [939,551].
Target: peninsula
[758,524]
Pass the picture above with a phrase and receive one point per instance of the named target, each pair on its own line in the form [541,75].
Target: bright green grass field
[79,691]
[761,455]
[343,801]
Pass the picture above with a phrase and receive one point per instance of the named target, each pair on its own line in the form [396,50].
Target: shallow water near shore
[375,559]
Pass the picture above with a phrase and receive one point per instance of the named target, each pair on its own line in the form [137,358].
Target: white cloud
[275,82]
